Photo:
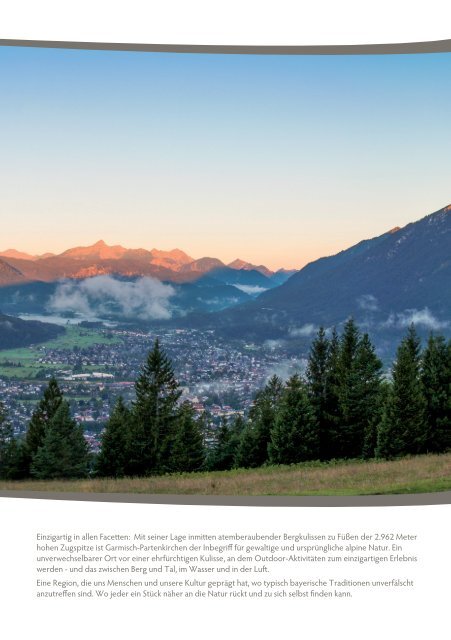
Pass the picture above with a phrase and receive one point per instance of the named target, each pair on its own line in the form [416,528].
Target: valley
[96,365]
[226,328]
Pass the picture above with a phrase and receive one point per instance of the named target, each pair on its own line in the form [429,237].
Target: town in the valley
[217,377]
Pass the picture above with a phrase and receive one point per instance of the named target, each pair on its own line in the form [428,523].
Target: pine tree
[246,452]
[349,343]
[363,398]
[344,436]
[64,451]
[187,451]
[44,412]
[112,458]
[403,427]
[223,455]
[331,416]
[295,434]
[206,428]
[344,384]
[255,438]
[372,427]
[436,380]
[153,414]
[9,451]
[317,387]
[238,426]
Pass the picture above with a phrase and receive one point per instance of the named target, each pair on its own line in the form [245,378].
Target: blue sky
[273,159]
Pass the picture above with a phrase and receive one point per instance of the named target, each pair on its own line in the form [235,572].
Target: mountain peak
[248,266]
[202,265]
[98,250]
[173,260]
[19,255]
[238,264]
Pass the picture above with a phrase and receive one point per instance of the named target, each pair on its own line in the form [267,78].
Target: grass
[28,357]
[80,337]
[420,474]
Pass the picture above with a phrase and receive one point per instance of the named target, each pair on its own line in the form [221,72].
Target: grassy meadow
[28,357]
[419,474]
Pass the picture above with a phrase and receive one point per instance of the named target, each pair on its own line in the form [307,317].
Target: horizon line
[50,254]
[39,256]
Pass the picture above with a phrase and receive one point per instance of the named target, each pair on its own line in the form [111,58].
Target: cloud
[143,299]
[287,368]
[251,290]
[368,302]
[419,317]
[222,302]
[272,345]
[306,331]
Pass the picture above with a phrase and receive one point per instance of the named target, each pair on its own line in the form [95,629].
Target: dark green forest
[343,407]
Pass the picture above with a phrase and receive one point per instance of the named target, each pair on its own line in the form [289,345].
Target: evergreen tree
[247,451]
[223,455]
[344,382]
[331,411]
[317,387]
[187,451]
[206,428]
[363,398]
[153,414]
[295,434]
[238,427]
[253,446]
[8,447]
[347,373]
[349,343]
[403,427]
[373,424]
[112,458]
[44,412]
[436,380]
[64,451]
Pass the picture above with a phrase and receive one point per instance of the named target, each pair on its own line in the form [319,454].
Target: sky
[277,160]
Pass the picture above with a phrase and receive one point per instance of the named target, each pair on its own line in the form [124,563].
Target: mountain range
[385,283]
[102,259]
[115,283]
[104,281]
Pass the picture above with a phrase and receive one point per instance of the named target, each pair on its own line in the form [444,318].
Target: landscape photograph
[225,274]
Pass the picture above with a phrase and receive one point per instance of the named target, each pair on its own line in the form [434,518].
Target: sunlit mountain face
[101,259]
[114,282]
